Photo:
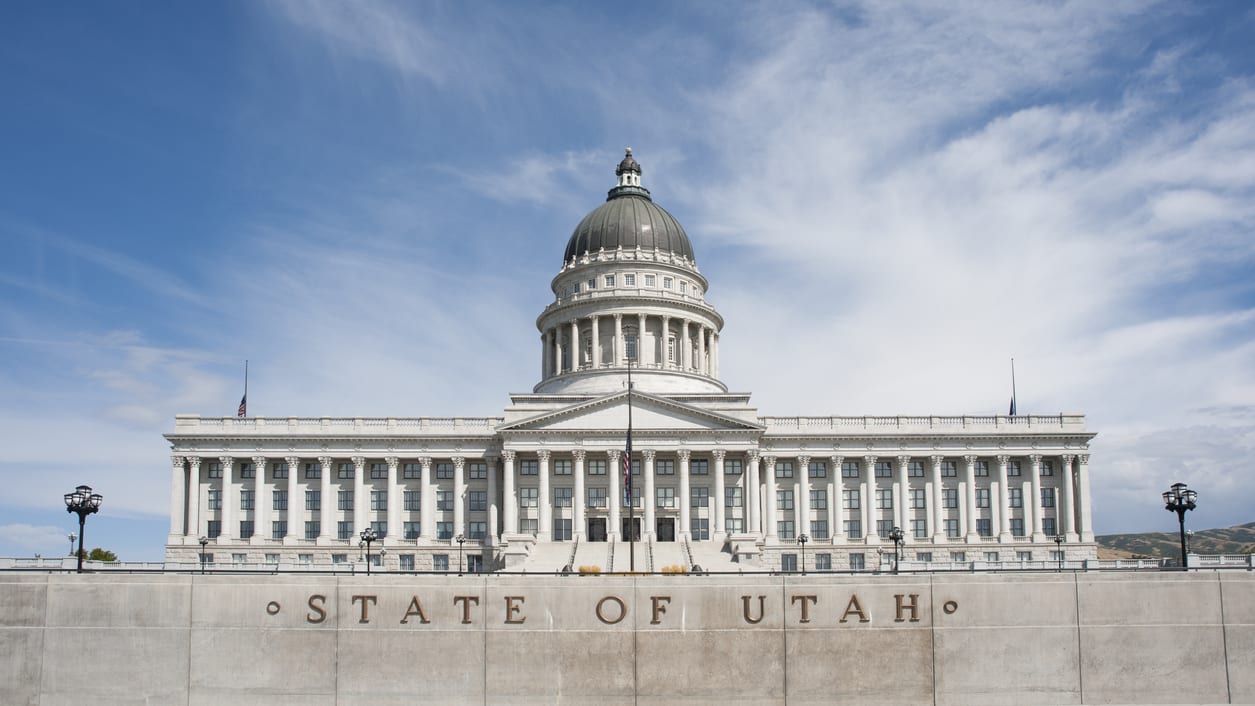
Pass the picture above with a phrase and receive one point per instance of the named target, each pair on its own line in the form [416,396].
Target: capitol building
[713,483]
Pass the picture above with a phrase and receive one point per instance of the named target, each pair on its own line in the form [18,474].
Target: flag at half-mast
[243,411]
[627,471]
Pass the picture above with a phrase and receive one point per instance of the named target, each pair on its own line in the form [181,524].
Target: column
[394,501]
[459,495]
[703,366]
[683,356]
[970,475]
[508,496]
[543,532]
[228,480]
[802,496]
[1034,504]
[557,361]
[1004,501]
[178,498]
[575,345]
[836,499]
[685,494]
[1067,501]
[866,500]
[714,358]
[936,511]
[769,469]
[995,510]
[544,355]
[614,500]
[640,339]
[647,497]
[327,503]
[617,343]
[195,527]
[295,513]
[1083,506]
[427,501]
[577,502]
[901,493]
[751,493]
[261,503]
[596,344]
[721,520]
[493,508]
[361,518]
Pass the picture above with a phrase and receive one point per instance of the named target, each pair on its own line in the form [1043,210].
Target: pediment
[649,412]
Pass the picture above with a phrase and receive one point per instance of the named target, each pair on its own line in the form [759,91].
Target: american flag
[243,411]
[627,474]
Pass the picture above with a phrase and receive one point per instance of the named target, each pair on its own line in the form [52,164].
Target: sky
[367,201]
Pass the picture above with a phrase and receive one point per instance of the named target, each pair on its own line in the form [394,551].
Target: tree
[99,554]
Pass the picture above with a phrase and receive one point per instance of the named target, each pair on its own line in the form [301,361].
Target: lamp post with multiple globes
[1180,499]
[82,502]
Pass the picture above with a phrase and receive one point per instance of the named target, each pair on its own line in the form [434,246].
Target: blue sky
[367,200]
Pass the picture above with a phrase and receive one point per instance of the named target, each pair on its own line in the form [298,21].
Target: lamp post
[368,535]
[1059,550]
[203,541]
[72,538]
[1180,499]
[460,539]
[802,539]
[896,535]
[84,502]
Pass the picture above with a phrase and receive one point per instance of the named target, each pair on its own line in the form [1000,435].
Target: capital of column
[543,454]
[359,464]
[769,462]
[648,454]
[870,461]
[836,463]
[260,463]
[684,454]
[325,462]
[508,454]
[392,462]
[718,454]
[458,462]
[803,462]
[613,455]
[293,462]
[903,460]
[937,459]
[752,455]
[1003,460]
[578,455]
[1067,459]
[226,460]
[618,317]
[1083,459]
[425,461]
[177,462]
[971,460]
[195,461]
[1035,458]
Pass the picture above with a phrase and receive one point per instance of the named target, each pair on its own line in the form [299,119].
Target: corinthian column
[394,501]
[685,496]
[769,468]
[228,481]
[295,514]
[720,484]
[427,501]
[615,501]
[178,500]
[459,495]
[1034,503]
[543,532]
[577,503]
[1067,500]
[327,503]
[647,498]
[261,502]
[751,494]
[509,497]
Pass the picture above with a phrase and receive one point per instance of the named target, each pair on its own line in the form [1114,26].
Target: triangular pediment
[649,412]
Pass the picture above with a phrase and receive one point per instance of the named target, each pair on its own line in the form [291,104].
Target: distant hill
[1239,539]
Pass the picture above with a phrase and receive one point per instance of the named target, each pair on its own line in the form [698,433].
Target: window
[344,500]
[215,470]
[984,527]
[215,499]
[444,471]
[305,558]
[313,471]
[884,469]
[817,469]
[854,529]
[858,562]
[410,530]
[784,528]
[279,470]
[562,467]
[240,558]
[562,497]
[849,469]
[561,529]
[439,562]
[962,556]
[925,557]
[411,471]
[665,497]
[1017,527]
[949,469]
[950,498]
[850,499]
[345,471]
[982,469]
[732,466]
[671,349]
[592,282]
[819,529]
[1017,497]
[915,469]
[784,469]
[819,500]
[629,280]
[381,529]
[991,556]
[823,562]
[732,497]
[699,467]
[666,282]
[379,500]
[528,526]
[279,500]
[609,279]
[344,529]
[629,350]
[1013,468]
[278,529]
[575,288]
[444,500]
[699,528]
[272,558]
[312,529]
[784,499]
[1056,556]
[246,499]
[529,497]
[246,529]
[596,497]
[1047,468]
[919,500]
[733,525]
[982,497]
[884,499]
[919,529]
[664,468]
[412,500]
[636,497]
[1047,497]
[444,530]
[407,562]
[478,500]
[248,470]
[478,470]
[952,528]
[684,287]
[1048,527]
[1023,556]
[699,497]
[529,467]
[883,528]
[378,471]
[596,467]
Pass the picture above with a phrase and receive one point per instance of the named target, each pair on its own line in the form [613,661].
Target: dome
[629,219]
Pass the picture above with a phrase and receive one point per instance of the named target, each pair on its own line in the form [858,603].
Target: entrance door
[666,529]
[596,529]
[474,563]
[635,534]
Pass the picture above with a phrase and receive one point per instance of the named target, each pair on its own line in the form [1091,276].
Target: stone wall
[1053,638]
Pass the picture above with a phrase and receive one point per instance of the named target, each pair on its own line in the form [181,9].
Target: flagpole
[1012,412]
[631,505]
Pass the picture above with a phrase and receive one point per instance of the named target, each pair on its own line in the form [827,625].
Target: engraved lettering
[416,608]
[854,608]
[512,609]
[745,609]
[318,612]
[366,601]
[807,602]
[602,616]
[466,607]
[660,607]
[913,606]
